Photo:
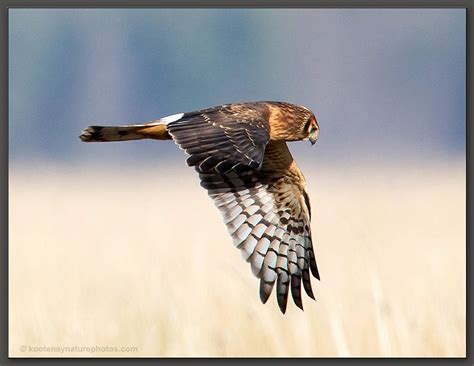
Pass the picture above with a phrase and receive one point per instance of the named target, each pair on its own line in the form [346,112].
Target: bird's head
[311,129]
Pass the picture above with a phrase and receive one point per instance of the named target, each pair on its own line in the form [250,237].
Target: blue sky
[383,83]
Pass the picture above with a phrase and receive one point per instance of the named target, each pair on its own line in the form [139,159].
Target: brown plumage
[240,153]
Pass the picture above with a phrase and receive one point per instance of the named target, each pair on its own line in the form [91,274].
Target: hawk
[239,151]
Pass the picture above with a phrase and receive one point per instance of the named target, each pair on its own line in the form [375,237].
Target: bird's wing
[269,221]
[222,138]
[267,214]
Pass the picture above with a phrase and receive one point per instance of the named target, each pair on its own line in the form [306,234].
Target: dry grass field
[137,264]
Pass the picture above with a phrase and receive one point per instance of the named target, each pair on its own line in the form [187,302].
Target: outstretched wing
[270,223]
[223,138]
[267,214]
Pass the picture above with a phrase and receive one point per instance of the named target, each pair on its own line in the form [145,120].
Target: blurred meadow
[116,250]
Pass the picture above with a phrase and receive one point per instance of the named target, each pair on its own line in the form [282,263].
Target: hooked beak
[313,137]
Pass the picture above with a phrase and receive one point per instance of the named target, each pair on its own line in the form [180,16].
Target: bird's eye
[308,127]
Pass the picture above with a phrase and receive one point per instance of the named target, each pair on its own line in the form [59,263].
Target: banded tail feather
[157,130]
[124,133]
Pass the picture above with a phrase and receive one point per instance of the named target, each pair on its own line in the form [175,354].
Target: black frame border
[4,179]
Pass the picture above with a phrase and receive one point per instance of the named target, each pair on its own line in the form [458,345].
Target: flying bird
[239,151]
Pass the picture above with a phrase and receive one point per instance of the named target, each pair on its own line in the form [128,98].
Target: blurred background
[88,222]
[386,84]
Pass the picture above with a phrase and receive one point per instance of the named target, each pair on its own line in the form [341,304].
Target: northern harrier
[241,155]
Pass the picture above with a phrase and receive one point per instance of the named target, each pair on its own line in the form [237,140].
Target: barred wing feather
[273,236]
[268,219]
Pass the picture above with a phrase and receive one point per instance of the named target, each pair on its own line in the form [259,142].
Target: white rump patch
[172,118]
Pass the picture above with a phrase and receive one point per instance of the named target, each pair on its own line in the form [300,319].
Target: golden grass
[143,260]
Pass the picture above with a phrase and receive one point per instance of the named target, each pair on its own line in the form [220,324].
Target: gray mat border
[4,360]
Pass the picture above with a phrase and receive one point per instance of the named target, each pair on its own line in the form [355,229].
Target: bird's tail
[154,130]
